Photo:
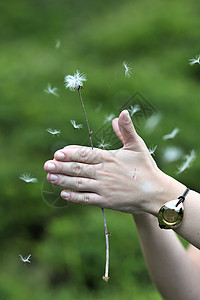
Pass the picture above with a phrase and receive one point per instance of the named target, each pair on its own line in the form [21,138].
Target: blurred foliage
[67,244]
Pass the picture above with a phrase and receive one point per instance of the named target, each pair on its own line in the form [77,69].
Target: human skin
[126,179]
[129,180]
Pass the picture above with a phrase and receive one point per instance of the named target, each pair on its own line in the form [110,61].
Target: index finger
[80,154]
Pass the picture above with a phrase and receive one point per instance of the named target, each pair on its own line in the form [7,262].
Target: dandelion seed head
[127,69]
[75,81]
[53,131]
[76,126]
[28,178]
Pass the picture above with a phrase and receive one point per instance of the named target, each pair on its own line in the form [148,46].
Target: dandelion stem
[105,277]
[86,119]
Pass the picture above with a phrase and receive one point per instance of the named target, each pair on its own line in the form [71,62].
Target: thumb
[131,139]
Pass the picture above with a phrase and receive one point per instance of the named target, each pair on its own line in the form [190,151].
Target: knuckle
[85,199]
[75,168]
[79,183]
[83,154]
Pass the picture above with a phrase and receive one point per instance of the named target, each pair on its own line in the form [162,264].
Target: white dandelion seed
[103,145]
[109,118]
[25,259]
[188,161]
[132,174]
[28,178]
[172,154]
[152,122]
[133,109]
[195,60]
[127,69]
[98,108]
[58,44]
[152,149]
[51,91]
[76,126]
[171,135]
[75,81]
[53,131]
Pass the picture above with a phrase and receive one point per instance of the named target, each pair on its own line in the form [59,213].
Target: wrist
[167,188]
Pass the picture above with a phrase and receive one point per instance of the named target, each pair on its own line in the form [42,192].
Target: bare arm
[127,179]
[174,270]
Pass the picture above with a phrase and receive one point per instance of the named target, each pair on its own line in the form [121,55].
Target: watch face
[170,215]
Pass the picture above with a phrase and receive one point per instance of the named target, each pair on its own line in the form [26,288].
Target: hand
[127,179]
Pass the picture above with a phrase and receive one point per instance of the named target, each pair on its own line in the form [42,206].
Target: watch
[171,214]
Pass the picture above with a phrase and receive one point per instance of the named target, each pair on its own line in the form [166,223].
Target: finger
[81,198]
[116,130]
[132,140]
[80,154]
[75,183]
[71,168]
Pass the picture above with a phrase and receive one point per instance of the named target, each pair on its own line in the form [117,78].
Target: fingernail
[126,118]
[53,178]
[51,167]
[60,155]
[65,195]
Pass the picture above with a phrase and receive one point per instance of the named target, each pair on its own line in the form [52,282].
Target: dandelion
[25,259]
[195,60]
[127,69]
[103,145]
[28,178]
[74,82]
[188,161]
[53,131]
[152,150]
[133,109]
[76,126]
[51,91]
[109,118]
[58,43]
[171,135]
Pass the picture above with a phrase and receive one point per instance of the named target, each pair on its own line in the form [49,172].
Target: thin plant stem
[105,277]
[86,119]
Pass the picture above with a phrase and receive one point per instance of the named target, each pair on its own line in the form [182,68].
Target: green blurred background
[156,38]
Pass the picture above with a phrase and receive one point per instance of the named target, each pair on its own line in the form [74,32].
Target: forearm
[171,189]
[170,267]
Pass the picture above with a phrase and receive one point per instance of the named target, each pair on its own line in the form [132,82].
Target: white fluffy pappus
[195,60]
[53,131]
[76,126]
[187,163]
[28,178]
[75,81]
